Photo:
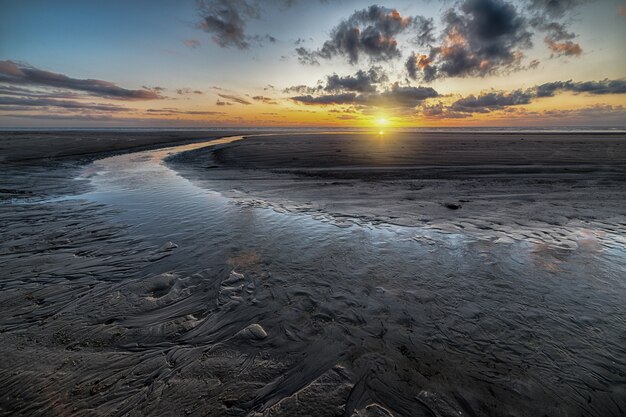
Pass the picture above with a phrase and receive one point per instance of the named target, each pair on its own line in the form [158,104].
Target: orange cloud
[567,48]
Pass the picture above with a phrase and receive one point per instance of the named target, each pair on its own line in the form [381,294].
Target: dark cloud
[226,20]
[554,8]
[590,87]
[361,82]
[417,100]
[64,104]
[479,37]
[327,99]
[234,99]
[439,111]
[370,32]
[172,112]
[266,100]
[417,63]
[11,90]
[302,89]
[185,91]
[407,96]
[423,30]
[223,103]
[268,38]
[68,117]
[558,39]
[395,97]
[156,89]
[14,73]
[509,101]
[552,17]
[488,102]
[306,56]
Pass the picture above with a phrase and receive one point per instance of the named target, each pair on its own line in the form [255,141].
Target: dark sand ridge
[518,184]
[253,313]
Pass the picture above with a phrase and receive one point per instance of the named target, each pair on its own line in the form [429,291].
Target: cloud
[234,99]
[184,91]
[370,32]
[14,73]
[558,39]
[492,101]
[598,110]
[266,100]
[396,97]
[171,111]
[327,99]
[10,90]
[64,104]
[418,100]
[226,20]
[621,10]
[438,111]
[567,48]
[479,37]
[302,89]
[223,103]
[597,115]
[416,63]
[605,86]
[72,117]
[361,82]
[488,102]
[406,96]
[554,8]
[191,43]
[548,16]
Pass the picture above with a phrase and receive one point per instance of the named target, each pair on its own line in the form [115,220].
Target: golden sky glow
[287,66]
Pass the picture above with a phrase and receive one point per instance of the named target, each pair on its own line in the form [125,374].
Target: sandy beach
[431,274]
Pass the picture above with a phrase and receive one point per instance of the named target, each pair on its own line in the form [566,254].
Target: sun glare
[382,121]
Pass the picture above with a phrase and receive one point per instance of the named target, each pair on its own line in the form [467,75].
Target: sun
[381,122]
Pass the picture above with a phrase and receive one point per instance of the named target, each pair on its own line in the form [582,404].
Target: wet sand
[260,284]
[471,182]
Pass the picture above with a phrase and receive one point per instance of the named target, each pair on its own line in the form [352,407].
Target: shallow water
[356,318]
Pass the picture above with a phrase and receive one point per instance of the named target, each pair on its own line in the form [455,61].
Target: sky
[320,63]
